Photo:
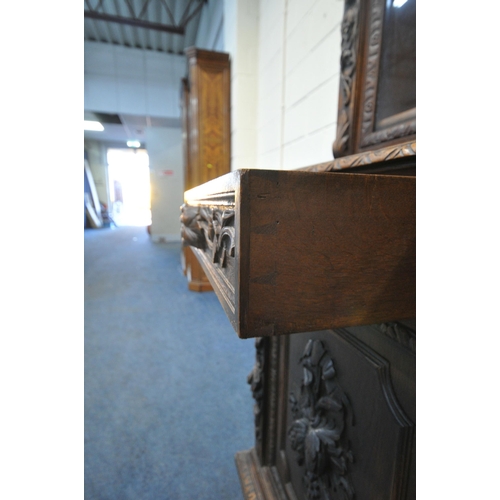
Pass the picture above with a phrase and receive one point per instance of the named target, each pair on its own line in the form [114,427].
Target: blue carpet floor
[166,400]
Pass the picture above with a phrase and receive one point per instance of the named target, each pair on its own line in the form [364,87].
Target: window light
[91,125]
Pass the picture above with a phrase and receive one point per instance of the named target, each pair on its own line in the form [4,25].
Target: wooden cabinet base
[197,280]
[334,416]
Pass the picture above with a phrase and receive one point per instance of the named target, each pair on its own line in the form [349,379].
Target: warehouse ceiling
[167,26]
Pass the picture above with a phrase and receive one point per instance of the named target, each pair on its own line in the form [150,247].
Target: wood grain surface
[206,133]
[317,250]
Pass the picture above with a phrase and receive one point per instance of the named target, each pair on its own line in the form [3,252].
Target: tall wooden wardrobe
[205,103]
[318,265]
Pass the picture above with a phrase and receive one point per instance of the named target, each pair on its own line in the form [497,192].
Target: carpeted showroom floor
[166,400]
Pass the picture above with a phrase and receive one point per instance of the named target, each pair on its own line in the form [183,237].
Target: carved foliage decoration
[400,333]
[191,232]
[256,380]
[366,159]
[347,73]
[317,432]
[209,229]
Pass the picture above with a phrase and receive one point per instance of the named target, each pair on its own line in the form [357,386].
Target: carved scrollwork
[317,432]
[209,229]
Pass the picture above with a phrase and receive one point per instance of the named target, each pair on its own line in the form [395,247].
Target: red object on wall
[164,173]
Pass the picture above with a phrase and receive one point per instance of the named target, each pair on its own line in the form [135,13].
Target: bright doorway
[129,187]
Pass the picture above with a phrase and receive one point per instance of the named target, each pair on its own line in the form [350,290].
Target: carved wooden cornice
[318,431]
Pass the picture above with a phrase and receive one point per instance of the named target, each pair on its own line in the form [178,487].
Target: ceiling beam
[135,22]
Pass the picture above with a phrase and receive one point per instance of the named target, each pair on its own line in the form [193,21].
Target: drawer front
[208,226]
[292,251]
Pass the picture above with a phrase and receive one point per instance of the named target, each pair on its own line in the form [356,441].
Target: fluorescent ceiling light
[91,125]
[133,144]
[399,3]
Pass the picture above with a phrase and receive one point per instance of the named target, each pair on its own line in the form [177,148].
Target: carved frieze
[318,431]
[209,229]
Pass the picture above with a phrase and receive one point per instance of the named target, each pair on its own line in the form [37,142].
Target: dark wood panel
[334,415]
[365,438]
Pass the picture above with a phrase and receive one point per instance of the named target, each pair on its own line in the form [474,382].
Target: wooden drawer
[295,251]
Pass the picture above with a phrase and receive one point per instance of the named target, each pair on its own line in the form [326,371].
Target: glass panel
[397,73]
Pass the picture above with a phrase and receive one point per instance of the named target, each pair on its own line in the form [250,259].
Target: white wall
[164,147]
[285,77]
[138,82]
[312,72]
[132,81]
[241,28]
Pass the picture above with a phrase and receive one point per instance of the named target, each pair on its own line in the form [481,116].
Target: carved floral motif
[317,433]
[209,229]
